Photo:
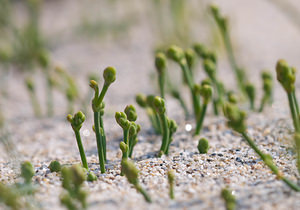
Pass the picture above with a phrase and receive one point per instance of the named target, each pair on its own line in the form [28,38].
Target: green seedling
[91,177]
[229,199]
[126,125]
[76,122]
[109,75]
[211,70]
[190,57]
[150,103]
[206,92]
[27,171]
[175,94]
[203,146]
[250,91]
[237,121]
[89,95]
[232,97]
[141,100]
[54,166]
[161,64]
[177,55]
[286,76]
[222,24]
[74,196]
[132,173]
[134,129]
[10,197]
[159,105]
[32,93]
[267,88]
[172,129]
[171,180]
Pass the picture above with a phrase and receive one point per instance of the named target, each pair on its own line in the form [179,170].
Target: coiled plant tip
[203,146]
[130,112]
[54,166]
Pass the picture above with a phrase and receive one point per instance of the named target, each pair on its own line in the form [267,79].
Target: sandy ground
[261,36]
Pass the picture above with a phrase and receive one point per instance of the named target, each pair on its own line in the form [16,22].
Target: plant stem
[262,104]
[271,165]
[165,133]
[126,140]
[99,142]
[161,82]
[293,112]
[189,78]
[139,188]
[171,192]
[103,136]
[296,103]
[81,150]
[200,119]
[35,104]
[49,97]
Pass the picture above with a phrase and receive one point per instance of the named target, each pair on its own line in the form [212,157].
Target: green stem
[102,94]
[293,112]
[126,140]
[271,165]
[262,104]
[49,97]
[200,119]
[157,122]
[171,192]
[99,142]
[165,133]
[296,103]
[215,107]
[189,78]
[161,82]
[103,136]
[183,106]
[81,150]
[139,188]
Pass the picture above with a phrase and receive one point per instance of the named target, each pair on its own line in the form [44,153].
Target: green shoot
[76,122]
[203,146]
[27,172]
[54,166]
[297,144]
[177,54]
[161,64]
[125,124]
[211,70]
[32,93]
[232,97]
[204,53]
[236,120]
[250,91]
[109,75]
[286,76]
[159,105]
[171,180]
[172,129]
[223,27]
[134,129]
[131,173]
[10,197]
[206,92]
[229,199]
[74,196]
[267,88]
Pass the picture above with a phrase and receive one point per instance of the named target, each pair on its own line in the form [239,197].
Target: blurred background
[50,49]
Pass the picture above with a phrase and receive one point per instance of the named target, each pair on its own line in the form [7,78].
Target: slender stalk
[165,132]
[81,150]
[143,192]
[270,164]
[262,104]
[161,81]
[200,119]
[126,139]
[296,103]
[195,99]
[49,87]
[103,136]
[99,142]
[293,112]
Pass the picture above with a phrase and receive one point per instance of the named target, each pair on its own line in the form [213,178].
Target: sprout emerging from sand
[203,146]
[54,166]
[267,88]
